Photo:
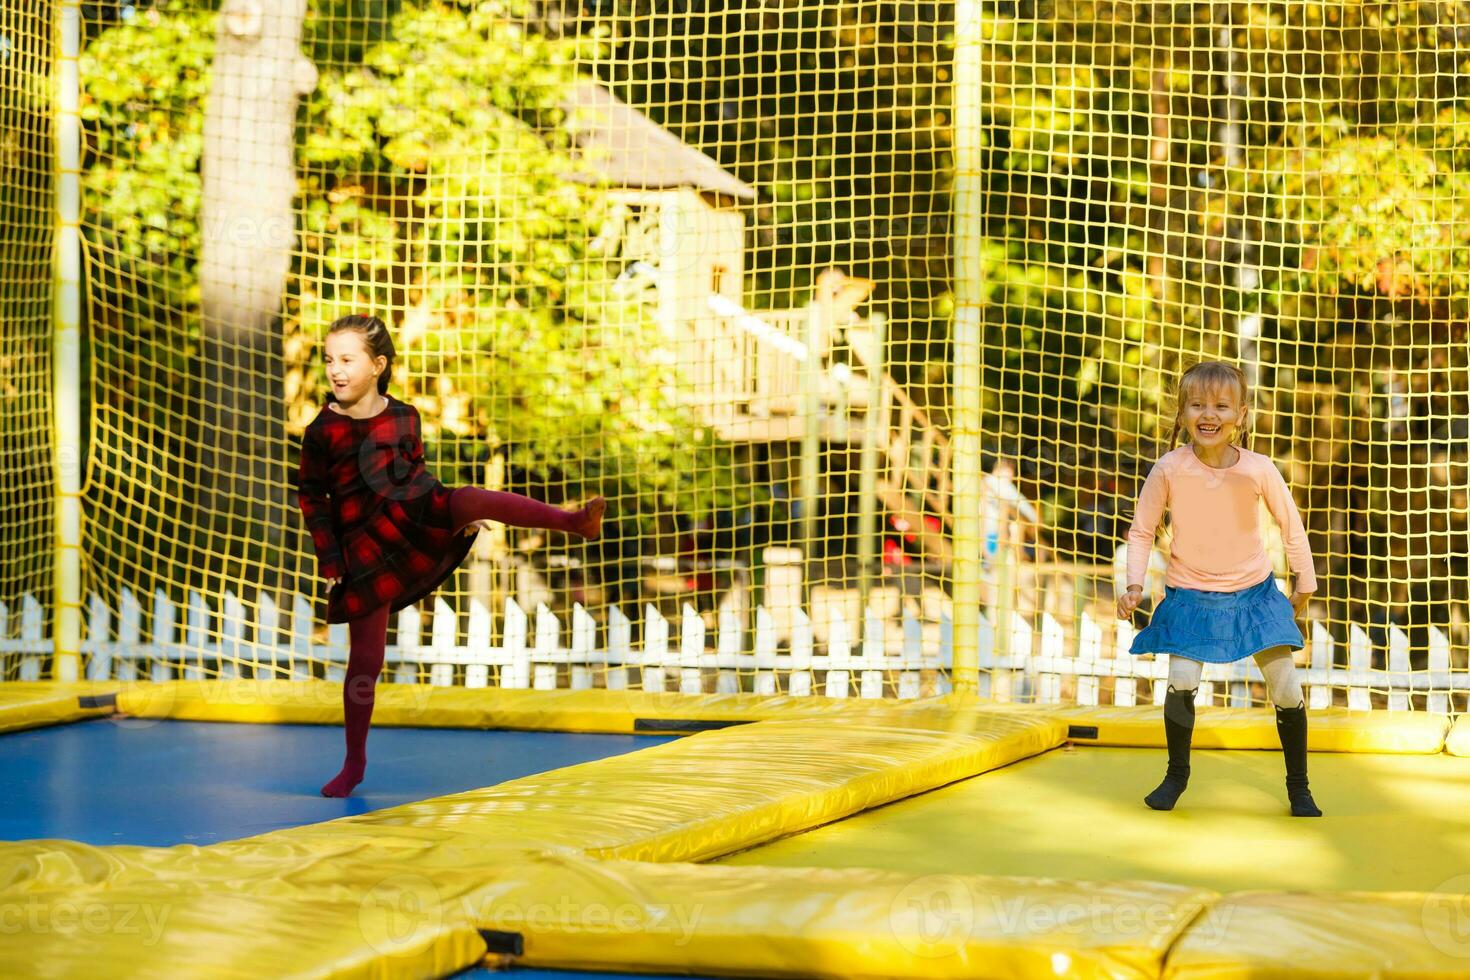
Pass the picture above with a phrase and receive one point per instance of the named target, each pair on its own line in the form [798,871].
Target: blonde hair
[1206,376]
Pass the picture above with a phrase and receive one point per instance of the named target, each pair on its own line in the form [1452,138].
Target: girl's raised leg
[470,504]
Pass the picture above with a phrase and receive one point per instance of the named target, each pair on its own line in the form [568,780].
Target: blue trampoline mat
[133,781]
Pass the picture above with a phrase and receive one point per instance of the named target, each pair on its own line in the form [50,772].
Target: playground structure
[864,264]
[804,388]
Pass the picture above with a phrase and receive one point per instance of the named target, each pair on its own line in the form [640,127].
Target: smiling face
[351,371]
[1211,414]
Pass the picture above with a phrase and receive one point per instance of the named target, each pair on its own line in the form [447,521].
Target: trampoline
[159,783]
[595,833]
[1398,823]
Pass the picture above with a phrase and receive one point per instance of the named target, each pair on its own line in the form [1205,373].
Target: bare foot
[588,520]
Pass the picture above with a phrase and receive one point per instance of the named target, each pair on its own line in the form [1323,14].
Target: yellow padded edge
[40,866]
[617,712]
[388,913]
[425,706]
[180,928]
[706,795]
[712,793]
[1328,729]
[1316,936]
[1457,742]
[847,923]
[33,704]
[558,844]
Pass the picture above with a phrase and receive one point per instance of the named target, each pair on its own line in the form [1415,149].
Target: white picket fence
[1028,665]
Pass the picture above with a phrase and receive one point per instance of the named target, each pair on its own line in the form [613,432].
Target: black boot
[1178,731]
[1291,726]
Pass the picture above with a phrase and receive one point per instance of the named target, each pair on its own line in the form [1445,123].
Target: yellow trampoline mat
[1393,823]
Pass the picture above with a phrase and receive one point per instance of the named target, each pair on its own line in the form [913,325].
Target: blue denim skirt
[1220,627]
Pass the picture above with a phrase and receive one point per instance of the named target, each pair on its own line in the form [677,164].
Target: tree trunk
[1161,43]
[1239,251]
[247,229]
[1160,173]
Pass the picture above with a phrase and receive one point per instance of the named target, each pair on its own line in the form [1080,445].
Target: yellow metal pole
[966,338]
[66,348]
[873,423]
[811,445]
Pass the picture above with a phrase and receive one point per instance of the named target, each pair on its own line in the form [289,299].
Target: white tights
[1276,664]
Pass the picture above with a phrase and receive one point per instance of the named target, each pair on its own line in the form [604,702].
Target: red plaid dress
[378,518]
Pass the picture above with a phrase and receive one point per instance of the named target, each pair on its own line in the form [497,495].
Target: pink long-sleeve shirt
[1217,535]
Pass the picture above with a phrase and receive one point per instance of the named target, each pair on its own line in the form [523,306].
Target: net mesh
[25,324]
[669,253]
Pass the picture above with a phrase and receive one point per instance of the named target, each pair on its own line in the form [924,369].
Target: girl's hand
[1299,602]
[474,526]
[332,583]
[1128,601]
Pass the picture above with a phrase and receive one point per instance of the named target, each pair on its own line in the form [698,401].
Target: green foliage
[838,114]
[145,81]
[1136,210]
[1370,215]
[1126,238]
[432,181]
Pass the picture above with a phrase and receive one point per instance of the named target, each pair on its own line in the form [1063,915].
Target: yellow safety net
[1277,185]
[719,264]
[26,221]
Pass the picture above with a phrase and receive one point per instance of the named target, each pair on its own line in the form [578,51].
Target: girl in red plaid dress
[386,532]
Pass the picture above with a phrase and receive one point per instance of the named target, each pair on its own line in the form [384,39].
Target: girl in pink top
[1220,602]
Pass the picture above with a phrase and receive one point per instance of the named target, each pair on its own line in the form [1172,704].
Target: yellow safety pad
[915,889]
[370,925]
[1328,729]
[620,712]
[1329,936]
[708,794]
[580,914]
[1457,742]
[715,792]
[387,913]
[50,865]
[33,704]
[425,706]
[1393,823]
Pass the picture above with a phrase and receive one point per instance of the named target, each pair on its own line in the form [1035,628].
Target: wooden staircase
[755,394]
[913,479]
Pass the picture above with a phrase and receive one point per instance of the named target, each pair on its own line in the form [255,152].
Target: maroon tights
[369,633]
[469,504]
